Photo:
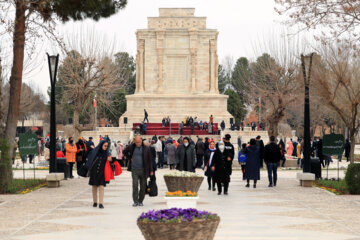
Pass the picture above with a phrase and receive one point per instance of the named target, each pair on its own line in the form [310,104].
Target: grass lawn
[20,186]
[337,187]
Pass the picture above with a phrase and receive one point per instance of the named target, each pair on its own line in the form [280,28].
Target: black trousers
[71,166]
[226,187]
[209,182]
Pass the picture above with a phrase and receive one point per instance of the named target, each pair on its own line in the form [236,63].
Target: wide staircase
[159,130]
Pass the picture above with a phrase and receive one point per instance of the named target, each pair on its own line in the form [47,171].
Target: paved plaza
[285,212]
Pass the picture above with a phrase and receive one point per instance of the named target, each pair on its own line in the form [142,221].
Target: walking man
[146,115]
[272,156]
[158,148]
[141,168]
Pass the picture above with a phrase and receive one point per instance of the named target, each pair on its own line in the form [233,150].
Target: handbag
[82,171]
[152,188]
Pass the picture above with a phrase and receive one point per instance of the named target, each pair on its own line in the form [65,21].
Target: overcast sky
[240,23]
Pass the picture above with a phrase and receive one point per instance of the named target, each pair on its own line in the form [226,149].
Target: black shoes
[140,204]
[135,204]
[95,204]
[209,188]
[254,185]
[214,189]
[270,185]
[219,193]
[225,193]
[101,206]
[247,185]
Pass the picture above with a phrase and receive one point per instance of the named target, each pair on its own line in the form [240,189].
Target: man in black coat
[141,168]
[260,145]
[229,154]
[347,149]
[272,156]
[146,115]
[200,151]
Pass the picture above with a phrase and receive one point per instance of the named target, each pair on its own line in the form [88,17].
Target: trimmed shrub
[352,178]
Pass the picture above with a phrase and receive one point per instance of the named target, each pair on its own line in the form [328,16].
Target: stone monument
[176,70]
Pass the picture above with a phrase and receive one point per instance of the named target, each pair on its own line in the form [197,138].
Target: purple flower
[176,215]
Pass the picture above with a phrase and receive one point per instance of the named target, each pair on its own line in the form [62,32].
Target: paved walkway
[285,212]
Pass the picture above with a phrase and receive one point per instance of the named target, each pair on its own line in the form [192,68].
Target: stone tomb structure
[176,70]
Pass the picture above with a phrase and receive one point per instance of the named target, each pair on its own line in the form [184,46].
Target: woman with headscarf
[252,167]
[290,148]
[185,156]
[81,151]
[221,174]
[96,170]
[209,162]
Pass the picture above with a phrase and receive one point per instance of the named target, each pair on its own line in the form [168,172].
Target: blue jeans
[272,172]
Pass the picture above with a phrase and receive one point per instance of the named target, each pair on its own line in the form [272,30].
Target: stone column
[212,66]
[216,66]
[137,71]
[141,64]
[193,52]
[160,58]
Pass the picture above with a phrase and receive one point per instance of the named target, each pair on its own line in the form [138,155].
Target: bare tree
[339,84]
[275,77]
[89,68]
[335,17]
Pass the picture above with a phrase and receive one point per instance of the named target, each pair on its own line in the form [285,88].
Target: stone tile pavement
[285,212]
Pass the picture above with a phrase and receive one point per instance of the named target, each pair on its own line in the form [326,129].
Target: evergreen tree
[241,76]
[235,105]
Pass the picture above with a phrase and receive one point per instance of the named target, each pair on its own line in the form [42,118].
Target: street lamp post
[53,66]
[306,62]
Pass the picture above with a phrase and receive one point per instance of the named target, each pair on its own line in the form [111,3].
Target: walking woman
[171,154]
[221,175]
[242,159]
[185,156]
[71,151]
[96,165]
[252,169]
[209,163]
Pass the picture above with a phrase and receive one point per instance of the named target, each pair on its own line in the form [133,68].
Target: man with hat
[90,145]
[228,154]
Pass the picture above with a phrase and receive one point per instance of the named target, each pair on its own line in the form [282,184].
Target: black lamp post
[53,66]
[306,62]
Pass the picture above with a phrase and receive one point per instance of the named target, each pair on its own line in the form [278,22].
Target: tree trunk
[15,85]
[77,127]
[273,128]
[2,115]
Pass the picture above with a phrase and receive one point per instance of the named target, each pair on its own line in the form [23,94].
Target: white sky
[240,23]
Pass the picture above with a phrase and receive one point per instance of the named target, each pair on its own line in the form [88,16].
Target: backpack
[242,158]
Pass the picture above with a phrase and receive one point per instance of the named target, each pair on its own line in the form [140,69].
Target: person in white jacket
[158,148]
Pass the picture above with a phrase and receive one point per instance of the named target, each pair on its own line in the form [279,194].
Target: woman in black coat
[221,175]
[209,162]
[96,165]
[252,169]
[185,156]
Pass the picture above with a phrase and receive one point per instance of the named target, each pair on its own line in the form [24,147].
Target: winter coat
[171,153]
[113,149]
[70,152]
[252,169]
[146,156]
[272,153]
[158,146]
[347,149]
[187,164]
[200,148]
[290,148]
[221,173]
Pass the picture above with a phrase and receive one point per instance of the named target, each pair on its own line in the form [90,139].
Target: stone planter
[195,230]
[181,202]
[183,183]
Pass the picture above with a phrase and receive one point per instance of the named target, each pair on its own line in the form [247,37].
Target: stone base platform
[177,106]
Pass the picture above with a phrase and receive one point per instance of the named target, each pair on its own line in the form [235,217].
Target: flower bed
[183,181]
[336,187]
[183,174]
[177,223]
[181,194]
